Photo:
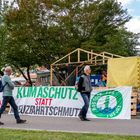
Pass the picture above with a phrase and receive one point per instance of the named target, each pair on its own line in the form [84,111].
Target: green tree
[3,34]
[88,22]
[121,42]
[97,25]
[26,42]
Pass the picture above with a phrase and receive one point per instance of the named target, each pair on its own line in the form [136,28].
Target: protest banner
[114,103]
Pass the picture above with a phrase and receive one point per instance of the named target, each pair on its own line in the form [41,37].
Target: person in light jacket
[8,97]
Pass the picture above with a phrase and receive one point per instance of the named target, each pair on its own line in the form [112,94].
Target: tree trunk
[28,74]
[21,72]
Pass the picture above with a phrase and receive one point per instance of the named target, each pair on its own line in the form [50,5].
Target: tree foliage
[38,32]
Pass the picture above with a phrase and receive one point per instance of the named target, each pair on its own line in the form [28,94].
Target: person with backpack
[85,88]
[8,86]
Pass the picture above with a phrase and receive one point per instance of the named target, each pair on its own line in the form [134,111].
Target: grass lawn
[8,134]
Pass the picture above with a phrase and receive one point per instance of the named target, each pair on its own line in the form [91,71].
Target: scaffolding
[79,58]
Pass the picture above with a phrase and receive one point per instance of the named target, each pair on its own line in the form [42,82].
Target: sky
[133,7]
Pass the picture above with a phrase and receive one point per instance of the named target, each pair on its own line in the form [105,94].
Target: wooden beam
[114,55]
[69,58]
[103,58]
[96,54]
[98,60]
[78,55]
[91,56]
[88,58]
[95,61]
[64,57]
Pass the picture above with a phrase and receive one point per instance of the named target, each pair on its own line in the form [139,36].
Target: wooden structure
[81,57]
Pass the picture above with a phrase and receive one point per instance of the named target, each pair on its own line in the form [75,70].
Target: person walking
[85,88]
[8,97]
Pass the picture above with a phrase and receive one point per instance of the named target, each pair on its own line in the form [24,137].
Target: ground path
[100,126]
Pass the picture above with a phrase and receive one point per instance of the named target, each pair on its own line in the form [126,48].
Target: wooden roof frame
[93,58]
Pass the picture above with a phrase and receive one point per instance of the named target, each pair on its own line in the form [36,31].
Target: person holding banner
[7,96]
[84,87]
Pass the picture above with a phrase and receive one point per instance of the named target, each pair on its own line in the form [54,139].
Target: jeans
[86,98]
[11,101]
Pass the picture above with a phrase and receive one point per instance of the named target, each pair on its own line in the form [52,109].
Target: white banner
[112,103]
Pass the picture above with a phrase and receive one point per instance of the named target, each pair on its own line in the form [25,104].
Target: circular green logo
[107,104]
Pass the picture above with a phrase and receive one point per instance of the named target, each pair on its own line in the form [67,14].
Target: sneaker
[21,121]
[85,119]
[81,117]
[1,123]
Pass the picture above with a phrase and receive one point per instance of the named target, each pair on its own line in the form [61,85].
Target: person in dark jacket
[85,88]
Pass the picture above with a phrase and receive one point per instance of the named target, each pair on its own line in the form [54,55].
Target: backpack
[77,84]
[2,86]
[77,87]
